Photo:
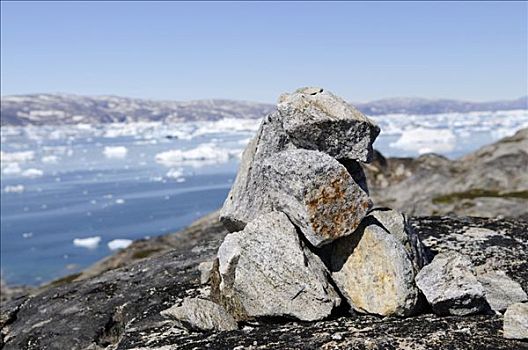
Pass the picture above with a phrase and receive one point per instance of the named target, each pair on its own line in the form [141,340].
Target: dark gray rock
[516,321]
[450,285]
[200,314]
[316,119]
[316,192]
[266,271]
[374,272]
[120,309]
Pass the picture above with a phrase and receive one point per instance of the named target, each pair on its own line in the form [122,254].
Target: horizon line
[259,102]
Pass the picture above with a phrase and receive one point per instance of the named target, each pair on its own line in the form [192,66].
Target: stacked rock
[300,204]
[304,237]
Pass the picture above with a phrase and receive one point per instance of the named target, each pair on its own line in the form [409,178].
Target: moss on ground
[65,279]
[142,254]
[478,193]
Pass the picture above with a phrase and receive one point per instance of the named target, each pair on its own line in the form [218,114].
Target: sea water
[71,195]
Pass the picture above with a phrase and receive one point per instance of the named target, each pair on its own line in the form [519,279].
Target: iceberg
[423,140]
[32,173]
[207,152]
[16,157]
[51,159]
[14,189]
[89,242]
[175,174]
[115,151]
[119,243]
[12,169]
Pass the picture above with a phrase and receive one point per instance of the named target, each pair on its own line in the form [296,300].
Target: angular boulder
[373,271]
[248,195]
[450,285]
[500,290]
[317,119]
[201,314]
[516,321]
[316,192]
[266,271]
[396,224]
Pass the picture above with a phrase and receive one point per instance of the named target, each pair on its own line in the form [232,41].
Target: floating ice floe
[227,126]
[32,173]
[500,133]
[12,169]
[51,159]
[115,151]
[156,179]
[119,201]
[16,157]
[14,189]
[119,243]
[89,242]
[175,173]
[424,140]
[207,152]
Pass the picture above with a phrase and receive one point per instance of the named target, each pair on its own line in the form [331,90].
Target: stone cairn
[304,237]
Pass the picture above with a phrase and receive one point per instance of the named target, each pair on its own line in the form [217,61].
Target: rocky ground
[299,211]
[120,308]
[490,182]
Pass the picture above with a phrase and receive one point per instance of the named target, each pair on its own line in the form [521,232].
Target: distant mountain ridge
[52,109]
[434,106]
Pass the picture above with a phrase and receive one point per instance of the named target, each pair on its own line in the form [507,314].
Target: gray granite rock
[500,290]
[450,285]
[201,314]
[266,271]
[516,321]
[396,224]
[248,196]
[316,192]
[317,119]
[205,271]
[373,270]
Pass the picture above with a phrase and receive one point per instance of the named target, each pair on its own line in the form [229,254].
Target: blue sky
[255,51]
